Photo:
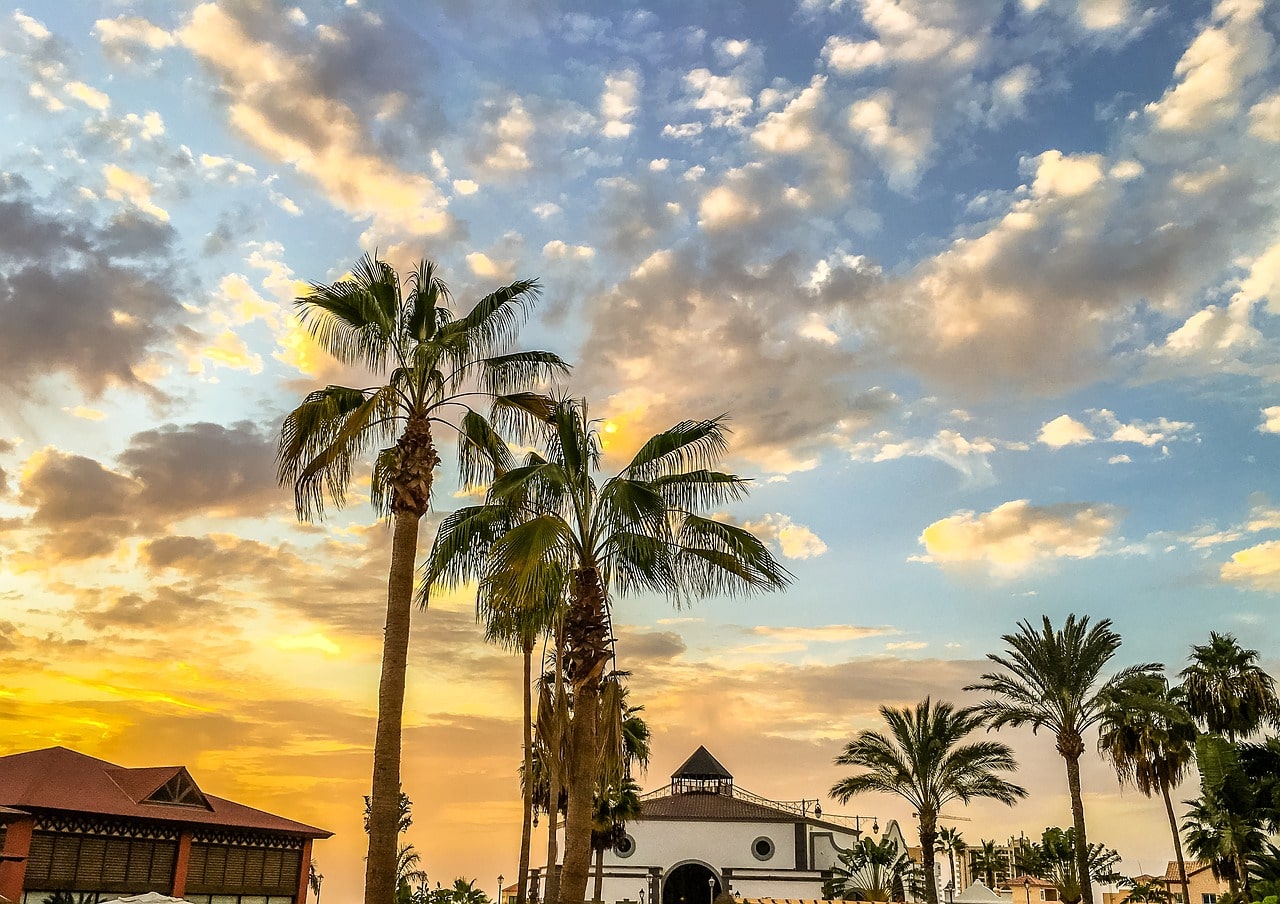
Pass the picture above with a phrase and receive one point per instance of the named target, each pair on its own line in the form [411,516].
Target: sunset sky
[989,289]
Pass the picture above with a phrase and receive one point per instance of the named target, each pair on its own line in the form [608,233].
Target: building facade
[79,830]
[701,836]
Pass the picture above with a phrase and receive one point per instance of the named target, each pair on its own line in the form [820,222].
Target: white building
[702,835]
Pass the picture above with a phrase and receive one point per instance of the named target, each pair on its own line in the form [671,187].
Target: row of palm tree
[1054,679]
[551,547]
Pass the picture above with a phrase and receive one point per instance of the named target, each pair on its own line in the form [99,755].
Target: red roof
[56,778]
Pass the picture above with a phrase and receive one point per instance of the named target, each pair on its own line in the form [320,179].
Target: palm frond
[715,558]
[355,319]
[689,445]
[482,452]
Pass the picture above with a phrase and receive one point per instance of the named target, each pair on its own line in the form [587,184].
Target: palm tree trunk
[599,889]
[384,805]
[526,826]
[583,771]
[1177,843]
[928,837]
[555,764]
[1077,818]
[587,639]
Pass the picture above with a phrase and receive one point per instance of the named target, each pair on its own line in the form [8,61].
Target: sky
[987,288]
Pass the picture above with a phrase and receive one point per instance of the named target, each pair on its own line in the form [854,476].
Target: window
[1208,898]
[762,848]
[625,847]
[1048,894]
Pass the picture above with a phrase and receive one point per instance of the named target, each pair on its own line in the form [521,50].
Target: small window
[1048,894]
[625,847]
[1208,898]
[762,848]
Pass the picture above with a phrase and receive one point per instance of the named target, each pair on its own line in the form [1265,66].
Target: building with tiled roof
[701,835]
[78,825]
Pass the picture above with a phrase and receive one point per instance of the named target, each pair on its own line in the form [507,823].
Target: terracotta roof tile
[56,778]
[711,807]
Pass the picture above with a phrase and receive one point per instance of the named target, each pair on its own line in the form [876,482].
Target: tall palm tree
[640,530]
[1053,680]
[1226,690]
[521,627]
[1149,737]
[951,842]
[428,368]
[925,761]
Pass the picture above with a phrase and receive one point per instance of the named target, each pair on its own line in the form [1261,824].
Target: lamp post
[950,891]
[499,898]
[642,896]
[1026,887]
[711,890]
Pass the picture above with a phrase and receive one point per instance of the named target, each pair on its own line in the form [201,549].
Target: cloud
[795,541]
[822,633]
[136,189]
[104,337]
[1017,536]
[306,102]
[1257,567]
[618,103]
[1270,420]
[125,38]
[1064,430]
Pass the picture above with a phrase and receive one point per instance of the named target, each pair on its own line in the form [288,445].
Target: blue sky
[989,290]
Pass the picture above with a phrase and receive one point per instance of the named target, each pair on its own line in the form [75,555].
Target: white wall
[665,843]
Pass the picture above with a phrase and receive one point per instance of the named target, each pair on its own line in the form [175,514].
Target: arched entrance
[690,883]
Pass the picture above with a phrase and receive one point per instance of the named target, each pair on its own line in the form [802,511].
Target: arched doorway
[690,883]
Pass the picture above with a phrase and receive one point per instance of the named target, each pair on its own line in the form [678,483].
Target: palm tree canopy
[1147,734]
[1050,678]
[432,364]
[642,528]
[922,760]
[1227,690]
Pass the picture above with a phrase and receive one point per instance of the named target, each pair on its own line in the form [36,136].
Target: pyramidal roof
[977,893]
[701,765]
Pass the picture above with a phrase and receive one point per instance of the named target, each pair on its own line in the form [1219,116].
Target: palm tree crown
[1226,690]
[1052,679]
[924,761]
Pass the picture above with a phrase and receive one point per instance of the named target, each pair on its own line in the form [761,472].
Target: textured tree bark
[552,895]
[384,807]
[928,837]
[1177,843]
[409,477]
[526,829]
[587,639]
[1077,817]
[599,889]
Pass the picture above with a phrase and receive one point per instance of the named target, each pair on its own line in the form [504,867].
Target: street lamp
[642,896]
[711,890]
[499,898]
[950,890]
[1026,886]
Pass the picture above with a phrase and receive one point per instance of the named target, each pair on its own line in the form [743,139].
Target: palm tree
[924,761]
[871,871]
[988,860]
[1226,837]
[1226,690]
[1052,679]
[521,626]
[427,365]
[409,872]
[1056,858]
[640,530]
[1149,737]
[616,805]
[949,841]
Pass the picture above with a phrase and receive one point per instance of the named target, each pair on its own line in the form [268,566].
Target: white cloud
[123,185]
[88,95]
[1016,536]
[1257,567]
[557,250]
[1064,430]
[795,541]
[1270,420]
[618,103]
[726,97]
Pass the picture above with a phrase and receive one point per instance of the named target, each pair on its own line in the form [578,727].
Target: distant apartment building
[1204,886]
[92,831]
